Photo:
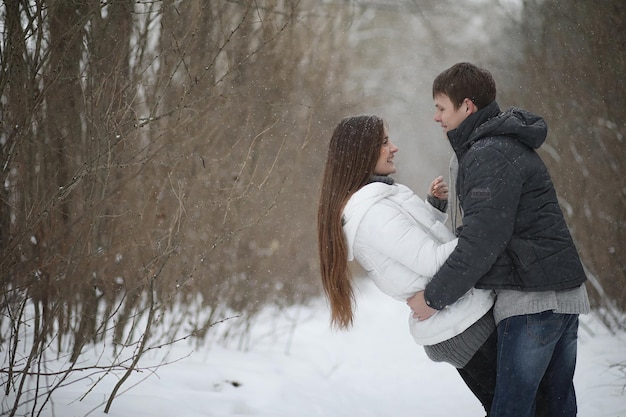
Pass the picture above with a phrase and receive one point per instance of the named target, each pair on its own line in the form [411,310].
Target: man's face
[447,116]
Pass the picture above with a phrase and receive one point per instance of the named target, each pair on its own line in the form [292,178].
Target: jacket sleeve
[388,232]
[438,203]
[491,193]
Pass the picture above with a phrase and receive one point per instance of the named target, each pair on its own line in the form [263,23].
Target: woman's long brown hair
[352,155]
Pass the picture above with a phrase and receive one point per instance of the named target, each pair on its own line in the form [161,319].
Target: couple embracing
[499,296]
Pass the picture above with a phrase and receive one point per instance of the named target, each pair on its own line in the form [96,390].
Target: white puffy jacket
[401,241]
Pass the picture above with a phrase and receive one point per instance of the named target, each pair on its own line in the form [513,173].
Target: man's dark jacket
[514,235]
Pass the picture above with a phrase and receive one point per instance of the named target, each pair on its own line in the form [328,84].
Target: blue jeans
[536,363]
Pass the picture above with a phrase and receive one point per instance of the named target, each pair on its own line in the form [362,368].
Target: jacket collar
[466,134]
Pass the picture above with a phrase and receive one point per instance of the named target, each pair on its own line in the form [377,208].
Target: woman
[401,241]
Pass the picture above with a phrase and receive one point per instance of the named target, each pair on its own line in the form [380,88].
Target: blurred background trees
[161,159]
[157,170]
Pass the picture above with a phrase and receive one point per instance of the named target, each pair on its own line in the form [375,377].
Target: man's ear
[469,105]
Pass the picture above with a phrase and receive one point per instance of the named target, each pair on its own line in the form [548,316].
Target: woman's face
[385,165]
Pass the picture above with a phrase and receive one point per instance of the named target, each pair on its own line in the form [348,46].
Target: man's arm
[492,193]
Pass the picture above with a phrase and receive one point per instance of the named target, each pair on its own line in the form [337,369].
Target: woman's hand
[439,188]
[421,311]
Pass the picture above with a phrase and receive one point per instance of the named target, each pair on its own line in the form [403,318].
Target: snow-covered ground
[308,370]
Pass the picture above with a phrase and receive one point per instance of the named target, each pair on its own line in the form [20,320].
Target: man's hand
[421,310]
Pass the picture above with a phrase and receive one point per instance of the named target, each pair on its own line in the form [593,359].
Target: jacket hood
[358,205]
[520,124]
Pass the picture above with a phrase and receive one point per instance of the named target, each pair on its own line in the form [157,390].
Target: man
[513,240]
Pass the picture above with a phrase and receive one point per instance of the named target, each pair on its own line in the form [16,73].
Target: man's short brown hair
[465,80]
